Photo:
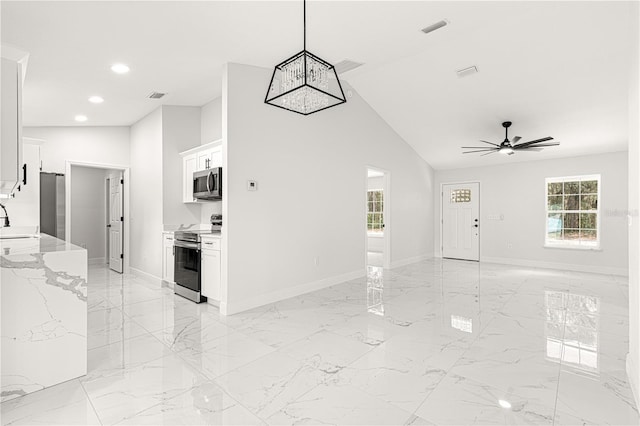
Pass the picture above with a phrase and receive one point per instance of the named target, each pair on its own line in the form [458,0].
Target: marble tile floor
[435,342]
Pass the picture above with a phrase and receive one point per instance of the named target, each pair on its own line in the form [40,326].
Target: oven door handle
[186,244]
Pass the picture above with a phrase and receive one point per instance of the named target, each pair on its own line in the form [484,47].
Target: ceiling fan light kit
[509,147]
[304,83]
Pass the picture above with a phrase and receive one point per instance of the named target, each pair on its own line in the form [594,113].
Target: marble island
[43,291]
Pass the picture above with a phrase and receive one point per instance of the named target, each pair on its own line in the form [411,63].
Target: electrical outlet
[316,260]
[509,245]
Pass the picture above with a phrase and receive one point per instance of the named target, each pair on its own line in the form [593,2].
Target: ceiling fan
[508,147]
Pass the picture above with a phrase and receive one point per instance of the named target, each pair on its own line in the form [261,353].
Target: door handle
[24,174]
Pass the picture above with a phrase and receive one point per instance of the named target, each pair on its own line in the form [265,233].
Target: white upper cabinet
[196,159]
[210,158]
[11,165]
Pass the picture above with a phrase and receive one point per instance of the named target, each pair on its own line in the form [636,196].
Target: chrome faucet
[6,216]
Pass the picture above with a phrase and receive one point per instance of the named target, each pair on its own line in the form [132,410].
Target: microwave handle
[209,177]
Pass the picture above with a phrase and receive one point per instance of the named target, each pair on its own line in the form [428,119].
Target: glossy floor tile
[434,342]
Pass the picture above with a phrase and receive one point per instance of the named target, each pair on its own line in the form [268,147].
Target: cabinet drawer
[211,244]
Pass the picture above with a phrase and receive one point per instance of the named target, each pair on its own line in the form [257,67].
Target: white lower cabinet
[210,269]
[167,257]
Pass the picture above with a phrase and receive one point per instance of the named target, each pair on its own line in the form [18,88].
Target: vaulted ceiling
[556,69]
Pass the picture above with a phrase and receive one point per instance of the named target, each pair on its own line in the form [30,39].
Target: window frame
[568,244]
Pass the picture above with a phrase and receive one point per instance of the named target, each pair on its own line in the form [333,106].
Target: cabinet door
[10,126]
[216,158]
[204,160]
[189,166]
[167,258]
[211,274]
[167,270]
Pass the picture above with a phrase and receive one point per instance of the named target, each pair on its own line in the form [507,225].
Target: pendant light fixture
[304,83]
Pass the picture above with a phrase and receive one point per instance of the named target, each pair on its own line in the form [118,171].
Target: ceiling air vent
[435,26]
[156,95]
[467,71]
[347,65]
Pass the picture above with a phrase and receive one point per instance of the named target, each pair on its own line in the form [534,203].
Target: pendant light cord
[304,23]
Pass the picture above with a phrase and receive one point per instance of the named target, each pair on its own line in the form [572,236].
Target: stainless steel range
[187,276]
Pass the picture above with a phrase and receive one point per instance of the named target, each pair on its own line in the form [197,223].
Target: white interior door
[115,222]
[461,221]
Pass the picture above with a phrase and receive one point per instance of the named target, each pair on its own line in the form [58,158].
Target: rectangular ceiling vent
[347,65]
[156,95]
[435,26]
[467,71]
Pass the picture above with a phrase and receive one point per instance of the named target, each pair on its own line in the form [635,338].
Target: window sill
[571,247]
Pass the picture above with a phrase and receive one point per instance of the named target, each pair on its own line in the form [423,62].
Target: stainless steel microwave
[207,184]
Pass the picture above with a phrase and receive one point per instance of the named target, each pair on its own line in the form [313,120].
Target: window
[573,211]
[460,196]
[375,205]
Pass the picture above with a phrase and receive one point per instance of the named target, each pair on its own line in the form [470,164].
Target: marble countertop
[43,244]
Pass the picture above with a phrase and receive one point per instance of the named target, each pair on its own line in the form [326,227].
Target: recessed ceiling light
[504,404]
[96,99]
[81,118]
[120,68]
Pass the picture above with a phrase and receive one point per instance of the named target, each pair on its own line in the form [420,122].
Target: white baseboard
[410,260]
[145,275]
[286,293]
[634,375]
[98,261]
[554,265]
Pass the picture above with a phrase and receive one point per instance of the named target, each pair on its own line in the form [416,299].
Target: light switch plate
[252,185]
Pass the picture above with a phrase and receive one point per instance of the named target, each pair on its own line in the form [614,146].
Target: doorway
[97,212]
[378,253]
[460,224]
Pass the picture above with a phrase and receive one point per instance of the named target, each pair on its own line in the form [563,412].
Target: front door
[461,221]
[115,222]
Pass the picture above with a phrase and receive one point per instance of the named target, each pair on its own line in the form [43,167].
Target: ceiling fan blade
[490,143]
[477,147]
[541,144]
[548,138]
[533,149]
[480,150]
[515,139]
[495,150]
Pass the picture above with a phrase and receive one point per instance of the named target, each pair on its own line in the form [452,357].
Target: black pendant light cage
[305,83]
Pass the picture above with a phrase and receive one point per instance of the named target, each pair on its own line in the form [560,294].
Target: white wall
[24,208]
[211,121]
[633,360]
[104,145]
[146,194]
[517,191]
[89,210]
[311,192]
[180,132]
[210,130]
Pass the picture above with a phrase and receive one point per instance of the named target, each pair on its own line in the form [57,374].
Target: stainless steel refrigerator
[52,199]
